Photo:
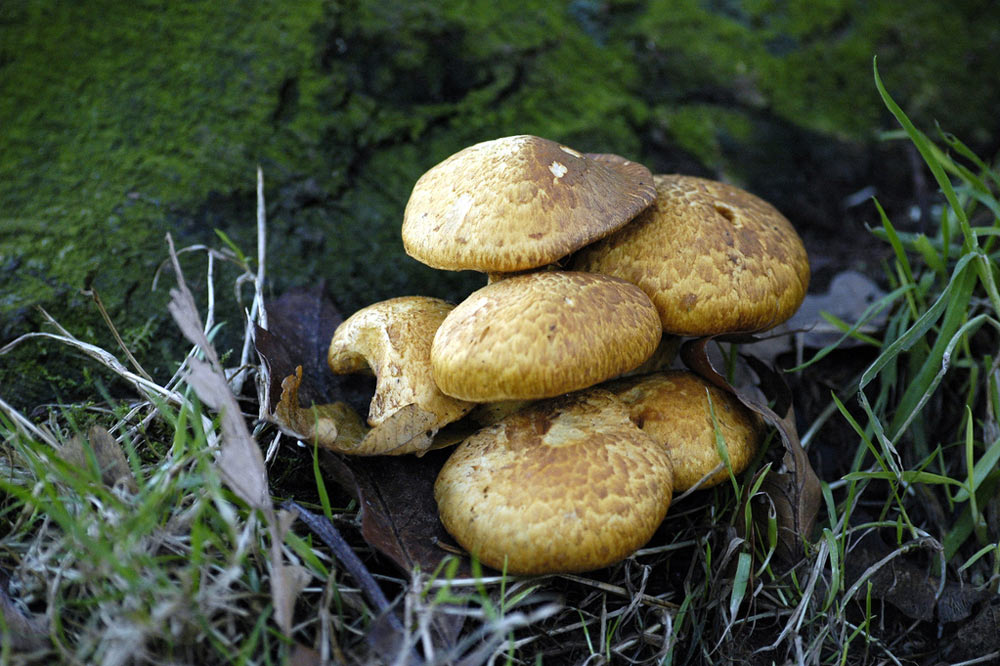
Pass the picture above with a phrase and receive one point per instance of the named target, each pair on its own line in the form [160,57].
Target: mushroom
[673,408]
[564,485]
[543,334]
[712,257]
[393,339]
[517,203]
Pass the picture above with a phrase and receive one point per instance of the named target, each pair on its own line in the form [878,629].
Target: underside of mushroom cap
[393,340]
[540,335]
[712,257]
[519,202]
[673,408]
[568,484]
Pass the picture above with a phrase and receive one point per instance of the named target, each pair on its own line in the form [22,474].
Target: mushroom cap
[393,339]
[712,257]
[540,335]
[568,484]
[672,407]
[519,202]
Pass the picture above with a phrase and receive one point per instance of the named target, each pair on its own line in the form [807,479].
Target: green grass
[158,574]
[923,467]
[943,348]
[177,568]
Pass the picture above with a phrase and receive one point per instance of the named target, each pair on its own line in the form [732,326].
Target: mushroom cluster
[579,436]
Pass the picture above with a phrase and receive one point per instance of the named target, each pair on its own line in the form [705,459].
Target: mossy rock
[116,132]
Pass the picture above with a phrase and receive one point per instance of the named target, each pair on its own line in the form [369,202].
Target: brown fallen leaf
[958,602]
[239,461]
[902,577]
[108,455]
[399,516]
[395,493]
[793,488]
[310,402]
[979,638]
[337,427]
[19,629]
[892,577]
[301,323]
[330,535]
[851,297]
[303,655]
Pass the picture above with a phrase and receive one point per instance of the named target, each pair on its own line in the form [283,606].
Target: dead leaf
[957,602]
[905,580]
[288,582]
[386,634]
[793,488]
[25,631]
[980,636]
[325,424]
[342,551]
[301,323]
[848,298]
[893,578]
[305,321]
[399,519]
[395,494]
[399,516]
[305,656]
[107,453]
[240,462]
[337,427]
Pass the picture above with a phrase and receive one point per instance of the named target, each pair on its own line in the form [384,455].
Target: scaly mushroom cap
[393,339]
[564,485]
[540,335]
[712,257]
[672,407]
[519,202]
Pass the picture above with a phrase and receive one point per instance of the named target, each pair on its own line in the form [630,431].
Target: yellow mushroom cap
[568,484]
[393,339]
[672,407]
[540,335]
[712,257]
[517,203]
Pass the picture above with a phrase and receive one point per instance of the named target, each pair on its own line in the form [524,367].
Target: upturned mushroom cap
[673,408]
[540,335]
[517,203]
[393,339]
[712,257]
[564,485]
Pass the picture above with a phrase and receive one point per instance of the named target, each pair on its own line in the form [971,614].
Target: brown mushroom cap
[517,203]
[393,339]
[564,485]
[672,407]
[712,257]
[540,335]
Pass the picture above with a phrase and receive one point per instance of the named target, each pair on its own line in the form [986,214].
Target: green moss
[703,130]
[113,126]
[807,61]
[118,130]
